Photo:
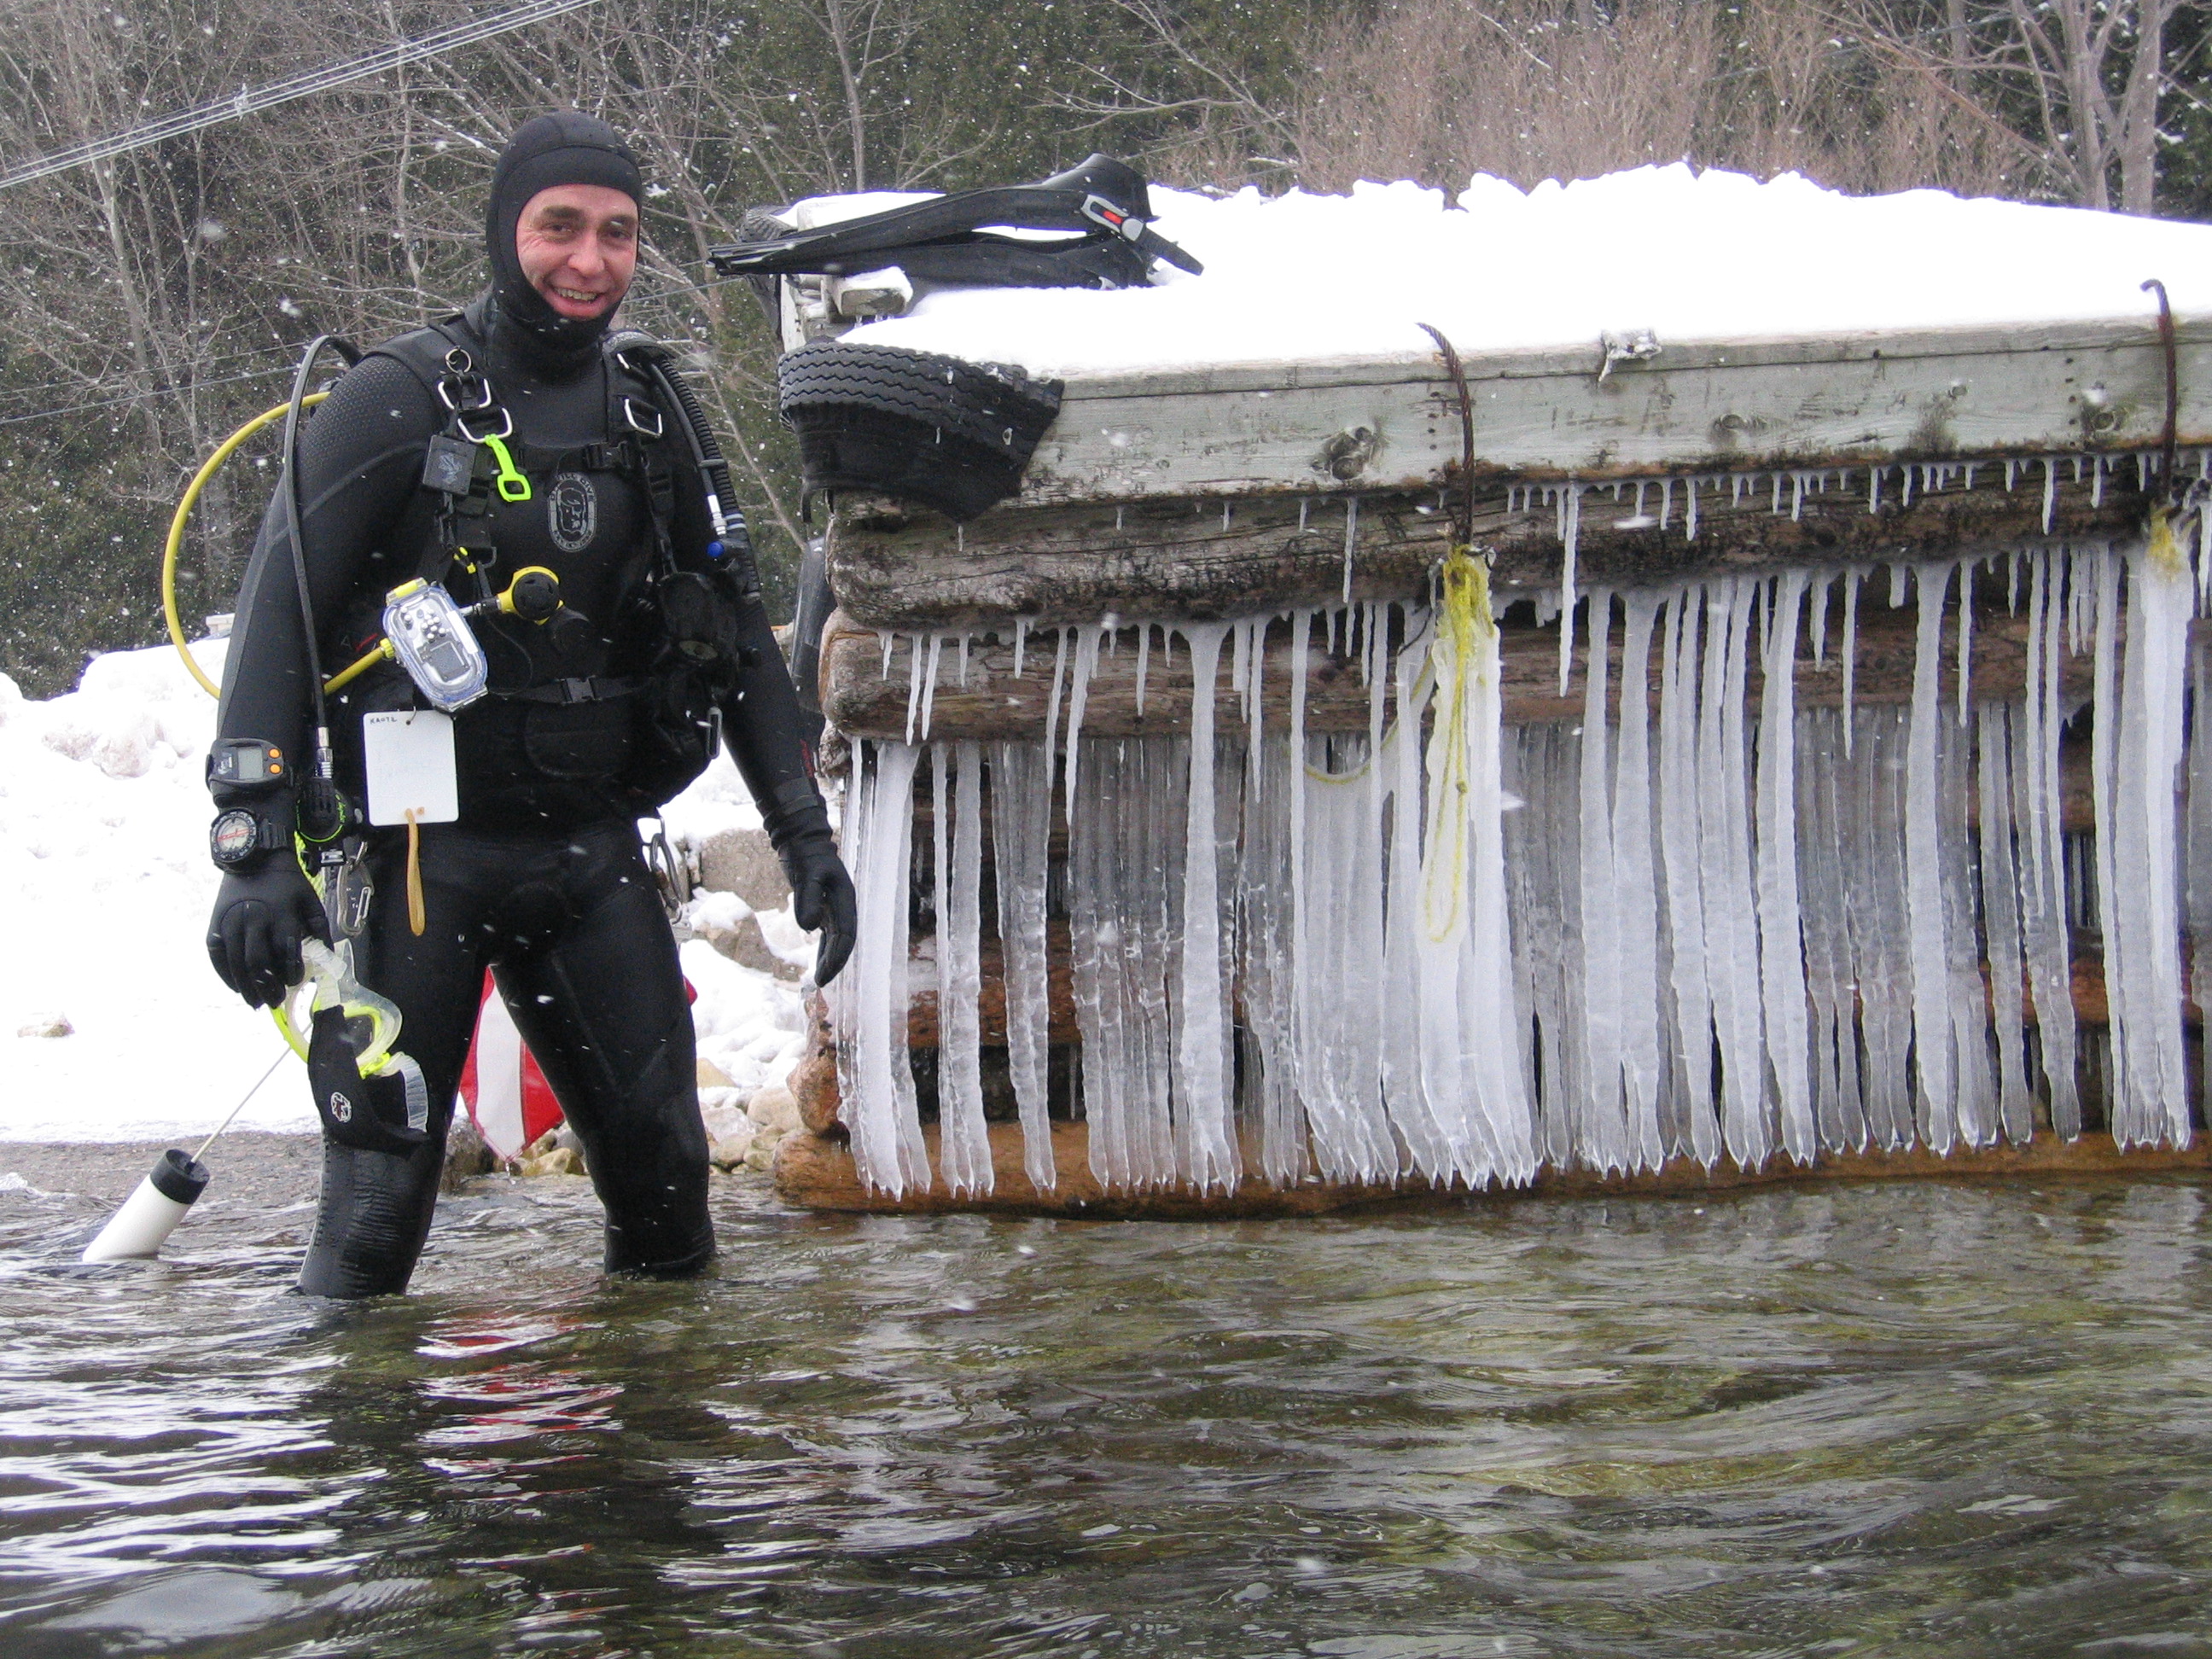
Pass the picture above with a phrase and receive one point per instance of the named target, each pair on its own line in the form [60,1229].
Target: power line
[290,353]
[251,100]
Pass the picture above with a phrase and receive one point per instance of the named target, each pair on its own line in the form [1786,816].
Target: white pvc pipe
[152,1212]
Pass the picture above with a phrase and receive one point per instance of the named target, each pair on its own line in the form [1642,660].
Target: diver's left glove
[261,914]
[821,898]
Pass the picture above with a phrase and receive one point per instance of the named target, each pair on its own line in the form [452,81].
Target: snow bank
[103,855]
[1688,255]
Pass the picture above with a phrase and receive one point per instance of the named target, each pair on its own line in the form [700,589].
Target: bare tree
[2073,87]
[1536,89]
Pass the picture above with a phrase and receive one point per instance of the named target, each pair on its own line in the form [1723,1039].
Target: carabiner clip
[631,408]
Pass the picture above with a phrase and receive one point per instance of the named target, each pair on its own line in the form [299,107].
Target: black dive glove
[822,899]
[260,917]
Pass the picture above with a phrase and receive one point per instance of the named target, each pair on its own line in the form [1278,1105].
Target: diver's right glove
[260,917]
[822,899]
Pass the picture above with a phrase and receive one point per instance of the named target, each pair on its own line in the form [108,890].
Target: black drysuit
[541,878]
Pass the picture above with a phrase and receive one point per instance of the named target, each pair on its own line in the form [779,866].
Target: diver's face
[577,245]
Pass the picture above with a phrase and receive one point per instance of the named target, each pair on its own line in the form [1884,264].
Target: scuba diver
[560,481]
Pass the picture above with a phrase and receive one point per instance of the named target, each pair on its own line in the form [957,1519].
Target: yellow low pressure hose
[185,504]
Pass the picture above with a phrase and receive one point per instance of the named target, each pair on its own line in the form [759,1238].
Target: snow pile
[1690,255]
[103,852]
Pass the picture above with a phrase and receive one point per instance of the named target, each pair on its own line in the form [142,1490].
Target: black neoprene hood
[564,148]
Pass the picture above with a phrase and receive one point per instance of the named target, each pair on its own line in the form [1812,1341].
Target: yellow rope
[1465,640]
[185,504]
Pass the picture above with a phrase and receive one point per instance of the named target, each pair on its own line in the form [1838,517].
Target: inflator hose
[186,502]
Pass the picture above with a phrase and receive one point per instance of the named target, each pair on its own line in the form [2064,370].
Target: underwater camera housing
[431,637]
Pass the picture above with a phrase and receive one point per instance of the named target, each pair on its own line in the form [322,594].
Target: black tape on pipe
[177,1178]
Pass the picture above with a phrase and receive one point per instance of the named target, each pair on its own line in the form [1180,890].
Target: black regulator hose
[731,532]
[318,812]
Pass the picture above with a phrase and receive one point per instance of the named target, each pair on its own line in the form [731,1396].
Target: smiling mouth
[578,296]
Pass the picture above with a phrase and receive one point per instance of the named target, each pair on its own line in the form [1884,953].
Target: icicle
[1079,699]
[1965,991]
[1603,1143]
[2096,482]
[1052,703]
[1209,1140]
[2199,854]
[2012,472]
[1303,503]
[1666,501]
[1224,515]
[1351,541]
[2050,491]
[915,666]
[1021,641]
[1932,1023]
[929,682]
[1873,488]
[1781,947]
[1730,892]
[963,661]
[2001,893]
[1681,798]
[2142,928]
[881,1114]
[1641,1046]
[1821,588]
[887,640]
[1021,835]
[1823,785]
[1966,637]
[1905,498]
[1144,663]
[1689,514]
[1852,577]
[963,1141]
[2043,894]
[1570,526]
[1797,497]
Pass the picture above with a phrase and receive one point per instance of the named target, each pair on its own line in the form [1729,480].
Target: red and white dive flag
[506,1094]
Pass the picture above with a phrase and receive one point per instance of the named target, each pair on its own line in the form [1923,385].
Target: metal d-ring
[453,389]
[630,408]
[505,421]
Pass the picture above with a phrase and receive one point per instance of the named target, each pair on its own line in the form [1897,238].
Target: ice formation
[1711,918]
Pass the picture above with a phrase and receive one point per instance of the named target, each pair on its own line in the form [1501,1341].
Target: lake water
[1898,1420]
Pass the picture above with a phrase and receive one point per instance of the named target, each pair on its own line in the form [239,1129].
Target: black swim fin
[1105,204]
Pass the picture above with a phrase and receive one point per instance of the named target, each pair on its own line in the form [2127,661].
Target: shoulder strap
[424,350]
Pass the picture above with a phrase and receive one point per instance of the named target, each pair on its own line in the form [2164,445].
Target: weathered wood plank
[1391,423]
[863,697]
[816,1172]
[899,567]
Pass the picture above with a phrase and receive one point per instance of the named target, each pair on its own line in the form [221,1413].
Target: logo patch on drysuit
[574,507]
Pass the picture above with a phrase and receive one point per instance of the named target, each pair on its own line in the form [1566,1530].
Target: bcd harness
[696,615]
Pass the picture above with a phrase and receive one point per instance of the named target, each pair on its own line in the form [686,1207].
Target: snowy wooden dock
[1162,912]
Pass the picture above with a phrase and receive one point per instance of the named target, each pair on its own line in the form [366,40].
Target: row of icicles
[1447,950]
